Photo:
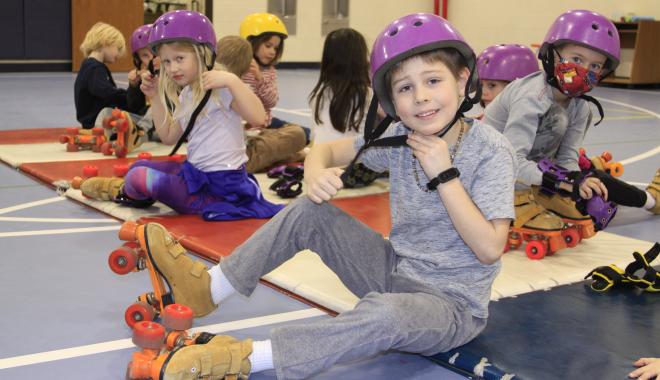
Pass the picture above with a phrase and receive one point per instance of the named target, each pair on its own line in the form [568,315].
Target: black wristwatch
[443,177]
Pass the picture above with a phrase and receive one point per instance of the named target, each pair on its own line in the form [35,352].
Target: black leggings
[620,192]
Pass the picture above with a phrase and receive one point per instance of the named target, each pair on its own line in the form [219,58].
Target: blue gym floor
[62,307]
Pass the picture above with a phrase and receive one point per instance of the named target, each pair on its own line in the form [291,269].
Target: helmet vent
[594,26]
[393,32]
[609,32]
[165,22]
[418,23]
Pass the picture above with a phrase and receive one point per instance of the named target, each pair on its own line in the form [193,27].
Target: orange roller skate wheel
[146,364]
[616,169]
[128,231]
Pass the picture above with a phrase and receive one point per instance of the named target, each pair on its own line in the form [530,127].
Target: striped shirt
[266,89]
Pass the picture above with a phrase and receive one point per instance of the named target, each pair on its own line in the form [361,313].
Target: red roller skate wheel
[606,156]
[123,260]
[177,317]
[535,250]
[144,156]
[98,132]
[121,151]
[147,334]
[139,311]
[90,171]
[120,170]
[106,149]
[571,237]
[116,113]
[64,139]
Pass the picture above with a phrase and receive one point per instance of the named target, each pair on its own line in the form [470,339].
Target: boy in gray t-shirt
[426,289]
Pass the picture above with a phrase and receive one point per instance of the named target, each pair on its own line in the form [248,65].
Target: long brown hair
[344,72]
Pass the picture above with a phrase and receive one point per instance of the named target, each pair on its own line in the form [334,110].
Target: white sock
[650,201]
[261,357]
[220,287]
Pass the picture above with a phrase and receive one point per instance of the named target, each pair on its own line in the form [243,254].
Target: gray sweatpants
[394,312]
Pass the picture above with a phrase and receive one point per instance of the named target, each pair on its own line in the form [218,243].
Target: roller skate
[206,356]
[128,136]
[542,230]
[654,189]
[289,184]
[85,139]
[158,340]
[603,162]
[108,189]
[174,276]
[580,226]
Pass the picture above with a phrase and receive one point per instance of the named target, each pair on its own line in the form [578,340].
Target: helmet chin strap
[371,134]
[548,61]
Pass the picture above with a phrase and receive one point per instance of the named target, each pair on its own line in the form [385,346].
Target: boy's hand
[149,85]
[432,153]
[255,70]
[592,186]
[325,186]
[216,79]
[649,369]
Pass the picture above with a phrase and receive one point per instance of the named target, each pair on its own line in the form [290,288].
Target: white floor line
[646,154]
[73,352]
[293,112]
[55,220]
[30,204]
[58,231]
[638,184]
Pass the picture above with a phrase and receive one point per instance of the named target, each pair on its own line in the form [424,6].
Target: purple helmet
[506,62]
[586,28]
[182,25]
[407,36]
[140,38]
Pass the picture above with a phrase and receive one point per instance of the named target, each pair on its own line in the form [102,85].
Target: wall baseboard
[299,65]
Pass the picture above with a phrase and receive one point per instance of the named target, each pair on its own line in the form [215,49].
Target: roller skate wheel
[122,260]
[177,317]
[76,182]
[106,149]
[70,147]
[571,237]
[120,170]
[116,113]
[64,139]
[147,334]
[121,151]
[535,250]
[98,132]
[90,171]
[582,152]
[606,156]
[128,231]
[616,169]
[144,156]
[138,312]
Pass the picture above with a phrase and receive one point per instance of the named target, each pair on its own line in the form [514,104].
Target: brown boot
[187,279]
[223,357]
[102,188]
[565,208]
[654,189]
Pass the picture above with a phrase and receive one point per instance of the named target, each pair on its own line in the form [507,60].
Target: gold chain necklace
[452,153]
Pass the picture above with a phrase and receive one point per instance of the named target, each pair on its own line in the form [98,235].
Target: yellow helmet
[258,23]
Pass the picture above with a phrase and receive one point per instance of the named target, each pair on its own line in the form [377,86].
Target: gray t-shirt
[537,127]
[428,247]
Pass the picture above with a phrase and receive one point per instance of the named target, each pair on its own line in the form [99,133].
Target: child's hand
[149,85]
[432,153]
[649,369]
[133,78]
[216,79]
[592,186]
[324,186]
[255,70]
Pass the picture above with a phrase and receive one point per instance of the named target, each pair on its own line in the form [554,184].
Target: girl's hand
[432,153]
[325,186]
[255,70]
[649,369]
[133,78]
[216,79]
[592,186]
[149,85]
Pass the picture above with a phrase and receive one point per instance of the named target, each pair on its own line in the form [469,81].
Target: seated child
[94,88]
[264,147]
[499,65]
